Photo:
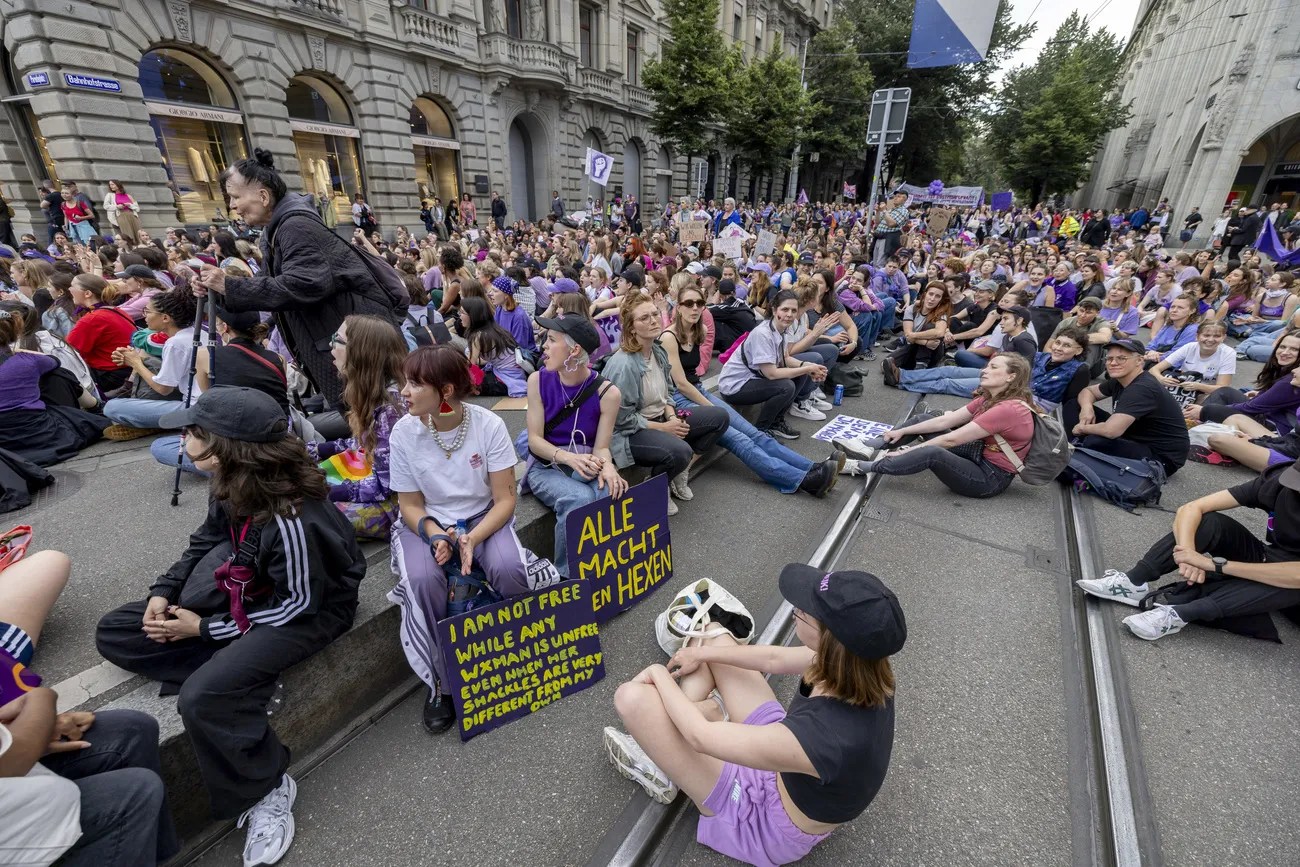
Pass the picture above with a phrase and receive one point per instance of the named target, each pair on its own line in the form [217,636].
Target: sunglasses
[691,303]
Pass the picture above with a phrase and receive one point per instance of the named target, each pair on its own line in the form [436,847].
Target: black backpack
[1126,482]
[850,378]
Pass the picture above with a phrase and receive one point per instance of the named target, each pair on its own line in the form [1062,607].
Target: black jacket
[1095,232]
[498,207]
[312,279]
[1248,230]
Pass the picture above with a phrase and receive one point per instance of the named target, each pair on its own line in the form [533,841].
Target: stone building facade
[395,99]
[1215,92]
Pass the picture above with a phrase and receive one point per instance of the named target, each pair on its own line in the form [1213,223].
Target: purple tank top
[555,395]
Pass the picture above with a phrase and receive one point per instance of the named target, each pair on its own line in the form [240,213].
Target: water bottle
[839,395]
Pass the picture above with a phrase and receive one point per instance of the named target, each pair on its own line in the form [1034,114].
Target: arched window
[197,126]
[326,141]
[437,152]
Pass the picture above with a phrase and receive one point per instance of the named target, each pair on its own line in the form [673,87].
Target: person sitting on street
[1119,311]
[925,323]
[268,579]
[1178,331]
[1087,316]
[765,370]
[171,313]
[968,456]
[1232,579]
[771,784]
[650,430]
[1196,370]
[1273,404]
[452,465]
[100,331]
[978,320]
[1146,421]
[983,348]
[866,308]
[491,348]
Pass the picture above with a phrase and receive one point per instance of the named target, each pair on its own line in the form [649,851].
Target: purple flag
[1001,201]
[1270,245]
[803,197]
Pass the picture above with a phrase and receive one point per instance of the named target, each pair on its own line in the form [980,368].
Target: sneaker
[1114,585]
[1160,621]
[270,825]
[889,370]
[782,430]
[631,761]
[855,468]
[439,713]
[672,507]
[678,487]
[854,447]
[804,409]
[1205,455]
[122,433]
[819,401]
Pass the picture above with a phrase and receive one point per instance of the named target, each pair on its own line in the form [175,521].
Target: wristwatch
[1220,563]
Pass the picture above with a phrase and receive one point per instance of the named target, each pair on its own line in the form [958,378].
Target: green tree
[691,79]
[1049,118]
[837,79]
[767,107]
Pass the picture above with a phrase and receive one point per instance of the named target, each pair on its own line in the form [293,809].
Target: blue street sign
[38,79]
[91,82]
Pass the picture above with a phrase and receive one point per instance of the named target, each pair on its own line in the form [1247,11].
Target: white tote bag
[688,615]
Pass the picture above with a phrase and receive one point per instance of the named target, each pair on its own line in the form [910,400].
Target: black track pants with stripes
[224,686]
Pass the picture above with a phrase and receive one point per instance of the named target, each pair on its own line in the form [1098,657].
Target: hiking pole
[189,390]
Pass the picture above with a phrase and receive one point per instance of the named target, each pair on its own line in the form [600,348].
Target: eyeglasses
[1116,359]
[691,303]
[335,340]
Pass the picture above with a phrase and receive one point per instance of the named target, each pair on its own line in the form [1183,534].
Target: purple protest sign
[622,546]
[514,658]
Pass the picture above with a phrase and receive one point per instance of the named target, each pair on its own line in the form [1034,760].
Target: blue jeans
[966,358]
[819,353]
[889,315]
[1259,345]
[80,232]
[869,324]
[166,449]
[959,381]
[772,462]
[137,412]
[125,821]
[562,490]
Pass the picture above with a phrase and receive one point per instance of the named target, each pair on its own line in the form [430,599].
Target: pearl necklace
[461,431]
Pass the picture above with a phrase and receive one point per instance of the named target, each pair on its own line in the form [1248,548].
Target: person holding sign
[449,462]
[772,783]
[571,415]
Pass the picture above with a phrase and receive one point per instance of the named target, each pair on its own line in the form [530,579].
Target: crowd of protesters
[325,386]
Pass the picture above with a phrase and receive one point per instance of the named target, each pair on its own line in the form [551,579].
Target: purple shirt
[895,287]
[1124,318]
[585,421]
[518,324]
[20,380]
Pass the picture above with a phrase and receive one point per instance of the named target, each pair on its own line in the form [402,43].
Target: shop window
[326,142]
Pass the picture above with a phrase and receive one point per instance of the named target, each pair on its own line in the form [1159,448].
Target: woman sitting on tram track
[771,784]
[1232,578]
[967,457]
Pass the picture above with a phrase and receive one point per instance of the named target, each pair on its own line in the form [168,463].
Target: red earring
[446,409]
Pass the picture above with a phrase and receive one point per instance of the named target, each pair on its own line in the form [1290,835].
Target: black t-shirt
[1266,492]
[848,746]
[1024,344]
[54,213]
[1157,419]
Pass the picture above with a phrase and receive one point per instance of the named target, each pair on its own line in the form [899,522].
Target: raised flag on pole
[1270,245]
[803,197]
[599,166]
[850,191]
[949,32]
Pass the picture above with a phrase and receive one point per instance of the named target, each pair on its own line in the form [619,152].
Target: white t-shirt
[455,487]
[40,814]
[175,369]
[1188,359]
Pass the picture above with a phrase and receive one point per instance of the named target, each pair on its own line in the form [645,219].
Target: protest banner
[731,230]
[766,243]
[622,547]
[953,197]
[472,234]
[849,427]
[692,231]
[936,222]
[598,166]
[514,658]
[732,248]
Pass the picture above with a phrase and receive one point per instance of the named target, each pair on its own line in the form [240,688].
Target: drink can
[839,395]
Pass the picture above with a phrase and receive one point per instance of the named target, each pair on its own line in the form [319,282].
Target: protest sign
[732,248]
[731,230]
[848,427]
[937,221]
[514,658]
[622,546]
[472,234]
[692,231]
[766,243]
[954,197]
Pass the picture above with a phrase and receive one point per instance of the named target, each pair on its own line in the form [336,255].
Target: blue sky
[1115,15]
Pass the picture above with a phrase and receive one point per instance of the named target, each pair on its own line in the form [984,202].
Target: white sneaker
[854,447]
[678,488]
[270,825]
[1114,585]
[631,761]
[852,468]
[672,507]
[804,409]
[1160,621]
[818,401]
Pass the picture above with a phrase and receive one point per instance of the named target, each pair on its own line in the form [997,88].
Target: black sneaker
[439,713]
[782,430]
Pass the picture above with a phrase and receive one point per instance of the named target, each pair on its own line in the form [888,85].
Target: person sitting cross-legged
[1231,575]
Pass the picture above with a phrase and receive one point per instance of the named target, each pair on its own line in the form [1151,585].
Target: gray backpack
[1049,450]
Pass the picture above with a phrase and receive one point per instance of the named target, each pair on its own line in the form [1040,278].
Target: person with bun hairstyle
[100,331]
[269,578]
[770,782]
[311,278]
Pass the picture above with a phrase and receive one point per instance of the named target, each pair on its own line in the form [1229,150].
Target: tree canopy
[767,107]
[691,79]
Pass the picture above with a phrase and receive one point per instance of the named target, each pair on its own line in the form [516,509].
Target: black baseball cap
[726,287]
[633,275]
[1019,311]
[805,258]
[858,609]
[244,414]
[1132,344]
[712,271]
[575,326]
[244,321]
[136,271]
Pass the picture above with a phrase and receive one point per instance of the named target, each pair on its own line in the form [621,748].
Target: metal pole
[793,187]
[875,187]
